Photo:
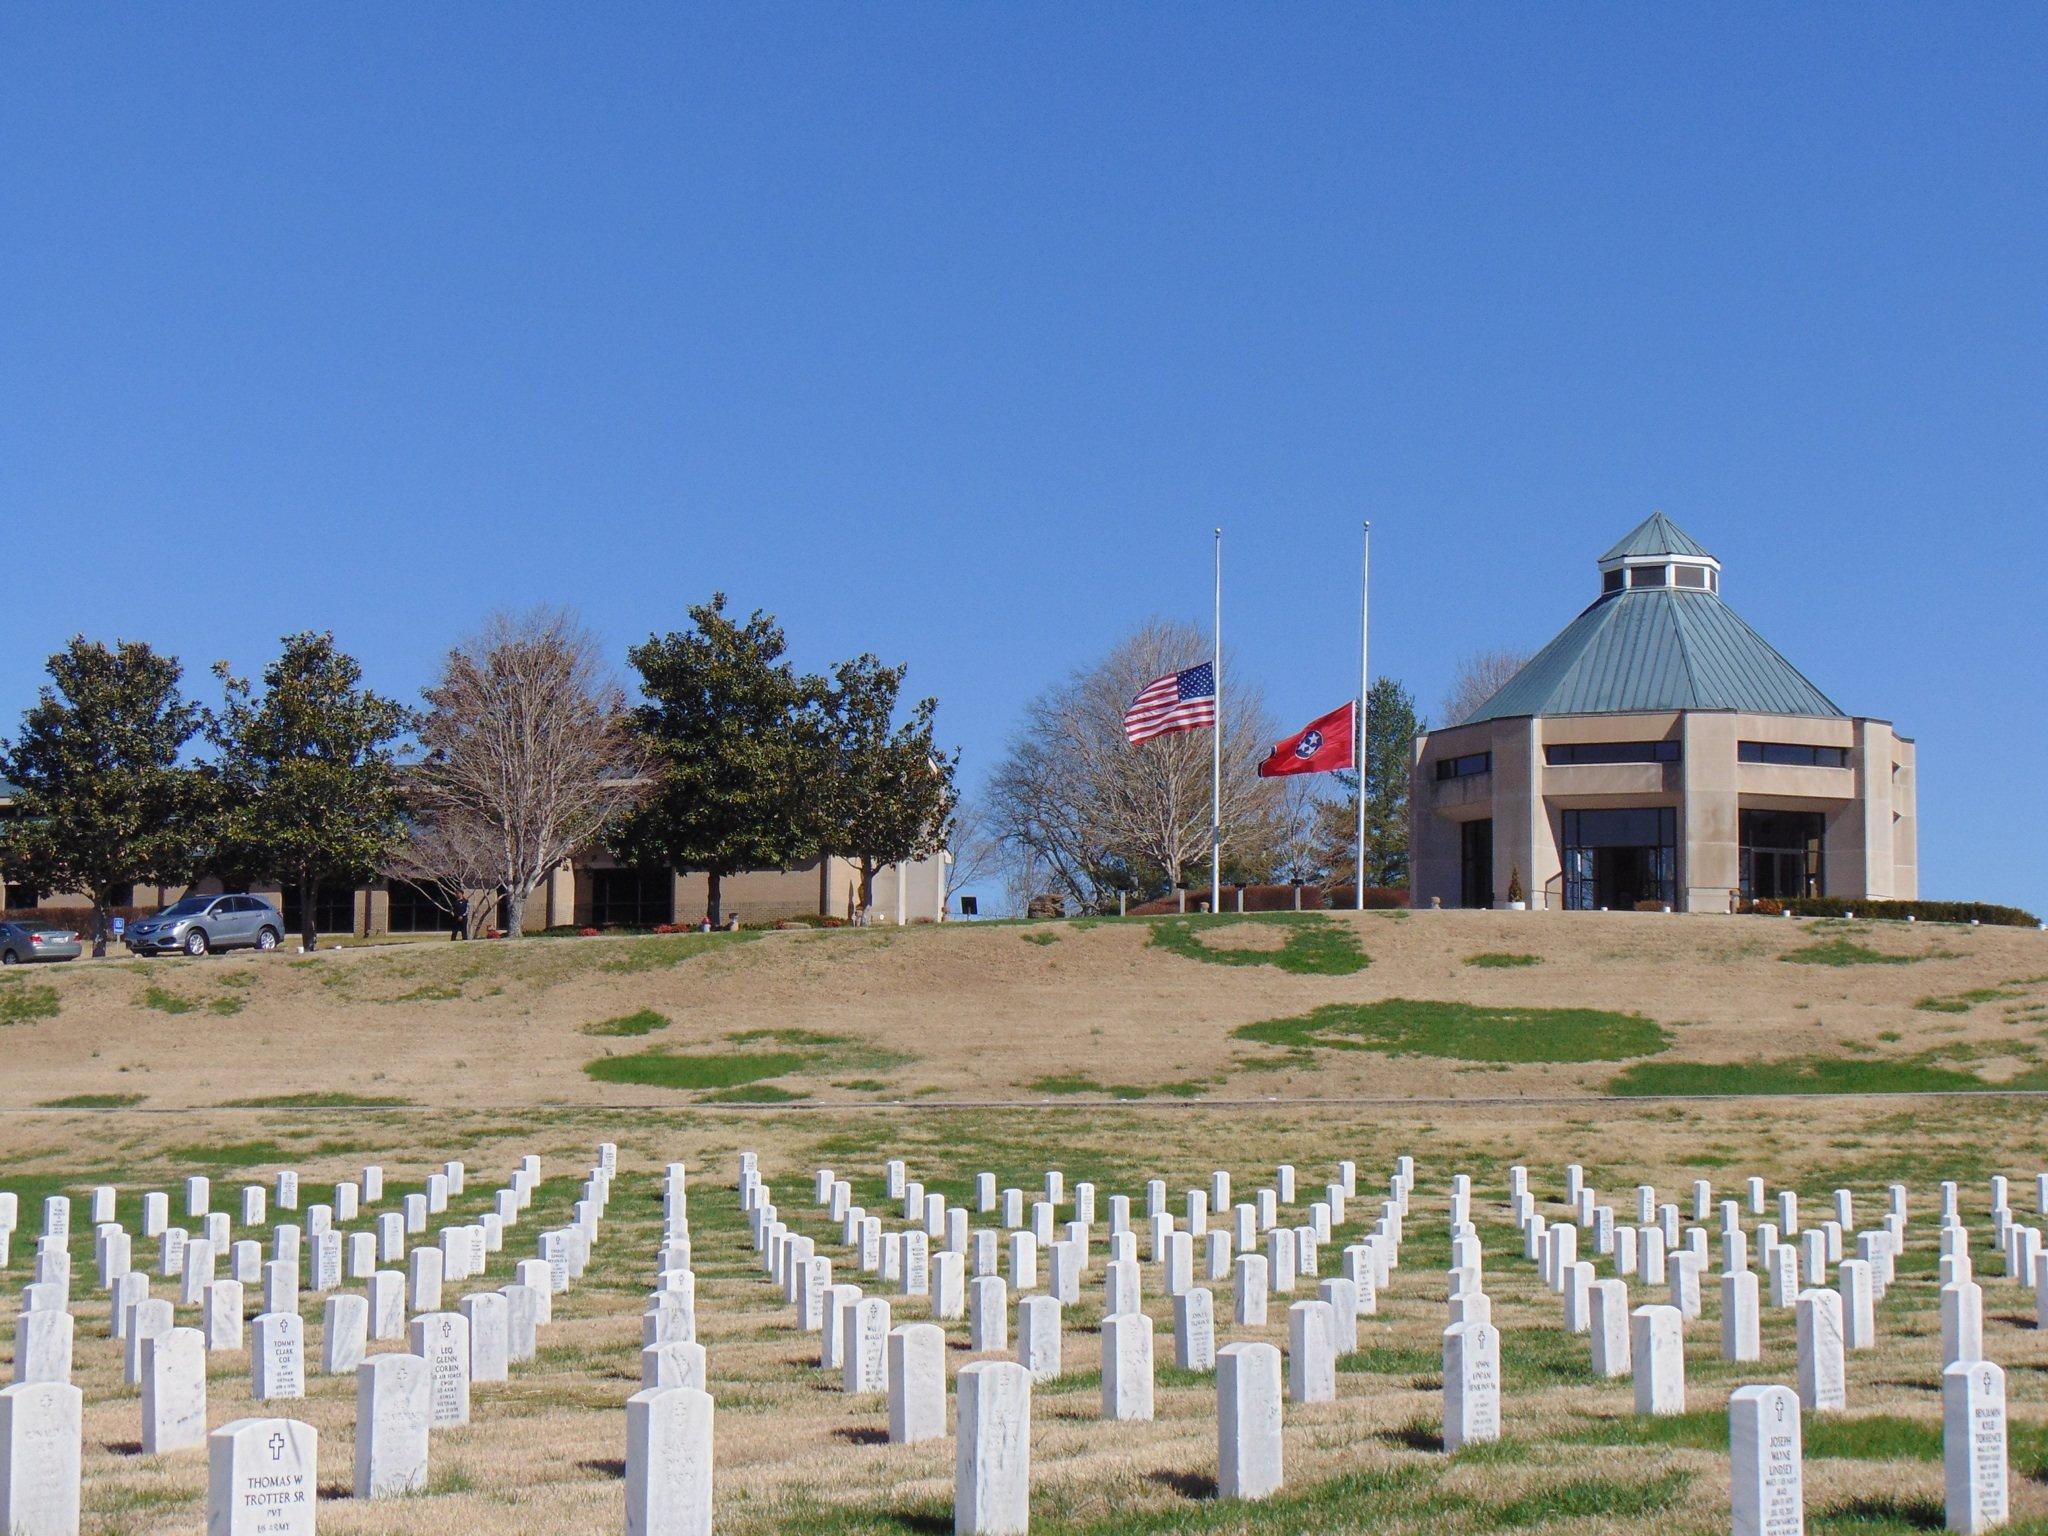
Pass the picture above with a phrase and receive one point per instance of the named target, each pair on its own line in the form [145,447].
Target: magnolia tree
[1097,815]
[104,800]
[888,794]
[529,757]
[732,736]
[305,777]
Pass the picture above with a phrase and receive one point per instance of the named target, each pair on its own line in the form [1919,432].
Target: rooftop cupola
[1658,553]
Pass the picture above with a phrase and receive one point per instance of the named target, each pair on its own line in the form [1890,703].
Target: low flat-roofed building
[1659,752]
[592,890]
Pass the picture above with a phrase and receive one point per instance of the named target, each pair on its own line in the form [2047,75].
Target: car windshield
[191,906]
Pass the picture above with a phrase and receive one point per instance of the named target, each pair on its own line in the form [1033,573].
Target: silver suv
[201,923]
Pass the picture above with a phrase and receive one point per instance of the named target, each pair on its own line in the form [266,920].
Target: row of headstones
[45,1331]
[194,1262]
[1766,1475]
[906,1257]
[669,1420]
[1764,1420]
[351,1198]
[907,1362]
[262,1473]
[1828,1323]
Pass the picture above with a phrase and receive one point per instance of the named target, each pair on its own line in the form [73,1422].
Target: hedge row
[1924,911]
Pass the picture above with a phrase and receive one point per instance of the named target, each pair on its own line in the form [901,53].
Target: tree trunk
[515,913]
[714,900]
[867,890]
[100,924]
[309,921]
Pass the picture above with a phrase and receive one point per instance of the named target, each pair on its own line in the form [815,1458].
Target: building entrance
[1619,859]
[1781,855]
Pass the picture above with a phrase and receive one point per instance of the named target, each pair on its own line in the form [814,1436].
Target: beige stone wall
[1905,820]
[1709,818]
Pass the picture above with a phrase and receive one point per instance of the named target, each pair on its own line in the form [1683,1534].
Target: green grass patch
[1465,1031]
[233,1154]
[163,1000]
[1499,960]
[1314,946]
[95,1101]
[1076,1083]
[644,1022]
[1806,1074]
[752,1093]
[785,1037]
[1593,1498]
[792,1050]
[1827,1436]
[661,951]
[22,1002]
[1041,937]
[663,1068]
[315,1101]
[1963,1002]
[1079,1083]
[1846,952]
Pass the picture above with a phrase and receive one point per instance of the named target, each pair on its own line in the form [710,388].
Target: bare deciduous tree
[1100,814]
[455,855]
[529,754]
[1479,677]
[1300,859]
[976,852]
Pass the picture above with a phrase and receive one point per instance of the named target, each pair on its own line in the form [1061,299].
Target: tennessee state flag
[1318,747]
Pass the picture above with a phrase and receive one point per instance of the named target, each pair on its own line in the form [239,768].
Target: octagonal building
[1660,752]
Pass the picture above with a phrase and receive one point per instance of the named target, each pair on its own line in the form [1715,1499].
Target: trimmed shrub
[1378,898]
[1924,911]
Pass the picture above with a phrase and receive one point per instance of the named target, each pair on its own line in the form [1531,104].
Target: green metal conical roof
[1657,648]
[1656,535]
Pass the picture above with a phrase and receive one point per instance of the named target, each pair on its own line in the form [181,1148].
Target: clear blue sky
[948,332]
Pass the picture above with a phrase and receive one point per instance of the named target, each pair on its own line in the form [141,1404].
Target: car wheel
[9,957]
[267,939]
[195,942]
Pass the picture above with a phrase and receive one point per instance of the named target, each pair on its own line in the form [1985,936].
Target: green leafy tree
[731,734]
[1390,730]
[104,799]
[887,793]
[306,776]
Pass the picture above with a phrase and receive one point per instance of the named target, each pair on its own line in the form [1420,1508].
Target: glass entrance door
[1475,882]
[1621,859]
[1782,855]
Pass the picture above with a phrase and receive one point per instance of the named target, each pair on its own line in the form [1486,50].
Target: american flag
[1179,701]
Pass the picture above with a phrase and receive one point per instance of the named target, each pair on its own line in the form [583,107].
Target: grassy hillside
[1424,1005]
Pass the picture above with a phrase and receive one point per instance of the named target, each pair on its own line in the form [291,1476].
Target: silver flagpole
[1364,695]
[1216,750]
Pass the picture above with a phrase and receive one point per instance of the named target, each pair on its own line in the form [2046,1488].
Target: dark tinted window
[1564,754]
[1464,767]
[1611,581]
[1792,754]
[1692,575]
[1647,827]
[1646,576]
